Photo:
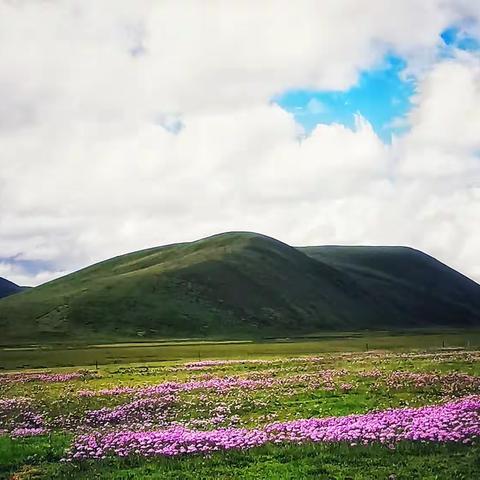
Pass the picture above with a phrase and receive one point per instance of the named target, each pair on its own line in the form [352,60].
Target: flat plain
[140,352]
[343,407]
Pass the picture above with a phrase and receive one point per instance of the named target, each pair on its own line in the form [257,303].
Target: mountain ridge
[244,284]
[8,288]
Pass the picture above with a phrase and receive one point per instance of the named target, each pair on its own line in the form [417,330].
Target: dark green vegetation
[37,459]
[8,288]
[413,285]
[238,285]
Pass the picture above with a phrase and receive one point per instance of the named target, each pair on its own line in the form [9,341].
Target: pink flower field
[197,409]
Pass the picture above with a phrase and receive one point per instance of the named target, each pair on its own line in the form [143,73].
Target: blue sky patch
[461,39]
[31,267]
[382,95]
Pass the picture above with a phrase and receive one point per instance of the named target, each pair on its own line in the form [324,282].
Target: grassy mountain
[236,284]
[414,285]
[8,288]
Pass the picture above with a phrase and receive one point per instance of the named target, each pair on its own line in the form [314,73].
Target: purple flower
[457,421]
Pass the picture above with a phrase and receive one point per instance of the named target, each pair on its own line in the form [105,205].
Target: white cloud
[23,277]
[130,124]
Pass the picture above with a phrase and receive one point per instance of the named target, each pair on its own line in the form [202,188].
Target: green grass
[241,285]
[320,462]
[39,458]
[61,355]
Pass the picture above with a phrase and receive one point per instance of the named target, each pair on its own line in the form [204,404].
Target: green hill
[8,288]
[243,284]
[415,286]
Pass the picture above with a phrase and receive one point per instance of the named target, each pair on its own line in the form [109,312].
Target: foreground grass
[39,459]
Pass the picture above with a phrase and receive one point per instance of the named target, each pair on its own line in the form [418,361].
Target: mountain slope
[411,282]
[242,284]
[8,288]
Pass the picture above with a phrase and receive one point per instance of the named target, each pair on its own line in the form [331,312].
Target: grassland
[36,459]
[90,355]
[275,382]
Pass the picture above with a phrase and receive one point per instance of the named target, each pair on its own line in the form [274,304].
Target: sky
[131,124]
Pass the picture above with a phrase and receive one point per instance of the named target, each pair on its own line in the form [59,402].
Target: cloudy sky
[127,124]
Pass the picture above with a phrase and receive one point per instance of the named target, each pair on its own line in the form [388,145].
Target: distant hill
[412,283]
[8,288]
[244,284]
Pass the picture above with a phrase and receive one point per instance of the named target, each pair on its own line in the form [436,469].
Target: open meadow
[283,411]
[239,240]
